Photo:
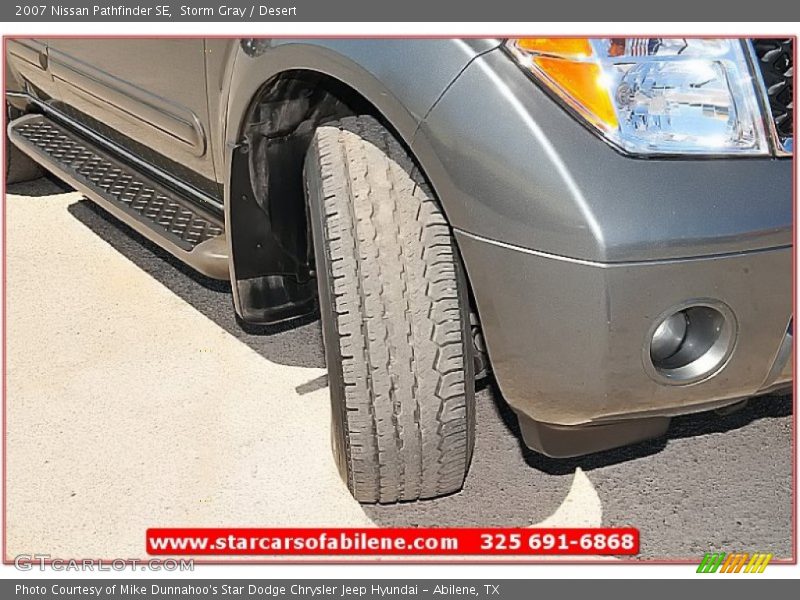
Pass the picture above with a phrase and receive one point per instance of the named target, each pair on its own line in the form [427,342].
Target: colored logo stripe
[734,563]
[711,562]
[758,563]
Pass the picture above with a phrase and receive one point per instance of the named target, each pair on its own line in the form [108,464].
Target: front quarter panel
[511,165]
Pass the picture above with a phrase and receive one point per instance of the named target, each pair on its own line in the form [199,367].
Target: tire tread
[399,316]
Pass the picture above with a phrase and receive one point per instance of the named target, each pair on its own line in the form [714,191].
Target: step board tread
[165,212]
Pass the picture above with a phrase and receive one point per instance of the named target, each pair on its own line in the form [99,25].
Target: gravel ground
[714,483]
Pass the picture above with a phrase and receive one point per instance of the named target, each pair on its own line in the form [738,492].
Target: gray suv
[604,225]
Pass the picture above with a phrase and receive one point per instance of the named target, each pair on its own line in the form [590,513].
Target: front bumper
[575,251]
[568,338]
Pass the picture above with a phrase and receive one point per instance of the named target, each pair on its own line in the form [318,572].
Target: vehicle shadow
[43,186]
[296,344]
[510,485]
[686,426]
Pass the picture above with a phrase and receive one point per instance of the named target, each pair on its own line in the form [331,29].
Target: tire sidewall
[330,332]
[469,359]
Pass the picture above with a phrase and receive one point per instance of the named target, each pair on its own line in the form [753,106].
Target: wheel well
[267,222]
[280,123]
[267,216]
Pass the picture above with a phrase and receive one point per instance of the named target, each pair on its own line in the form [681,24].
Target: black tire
[19,166]
[395,316]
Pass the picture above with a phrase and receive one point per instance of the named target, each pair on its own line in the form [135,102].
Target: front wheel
[395,318]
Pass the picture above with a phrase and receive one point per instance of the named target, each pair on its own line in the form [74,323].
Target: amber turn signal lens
[583,81]
[565,47]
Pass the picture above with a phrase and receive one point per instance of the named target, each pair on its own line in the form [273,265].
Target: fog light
[691,342]
[668,336]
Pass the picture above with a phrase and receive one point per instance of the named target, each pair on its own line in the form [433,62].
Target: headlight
[653,95]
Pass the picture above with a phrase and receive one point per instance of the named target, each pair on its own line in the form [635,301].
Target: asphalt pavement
[136,399]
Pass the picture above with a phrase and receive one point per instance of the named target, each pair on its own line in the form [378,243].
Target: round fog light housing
[690,342]
[668,336]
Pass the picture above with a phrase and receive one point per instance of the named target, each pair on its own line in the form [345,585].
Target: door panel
[148,95]
[27,60]
[220,55]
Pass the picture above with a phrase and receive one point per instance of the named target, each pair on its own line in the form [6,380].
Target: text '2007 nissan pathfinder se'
[606,224]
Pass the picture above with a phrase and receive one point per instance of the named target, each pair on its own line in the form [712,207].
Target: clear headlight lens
[654,95]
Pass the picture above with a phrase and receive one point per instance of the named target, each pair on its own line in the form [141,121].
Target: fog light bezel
[712,360]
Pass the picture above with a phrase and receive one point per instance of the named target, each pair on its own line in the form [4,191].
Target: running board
[160,214]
